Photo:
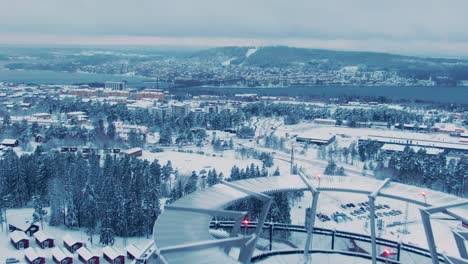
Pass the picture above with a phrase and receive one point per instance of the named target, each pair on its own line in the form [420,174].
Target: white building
[114,85]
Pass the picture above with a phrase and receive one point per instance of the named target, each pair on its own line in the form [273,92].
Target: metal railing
[334,235]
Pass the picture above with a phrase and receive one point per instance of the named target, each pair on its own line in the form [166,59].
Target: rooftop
[17,236]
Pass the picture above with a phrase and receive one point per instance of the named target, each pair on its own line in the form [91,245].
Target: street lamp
[319,176]
[424,194]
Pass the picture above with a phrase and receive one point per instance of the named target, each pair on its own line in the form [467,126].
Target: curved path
[181,233]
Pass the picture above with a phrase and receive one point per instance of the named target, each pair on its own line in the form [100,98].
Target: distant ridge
[283,56]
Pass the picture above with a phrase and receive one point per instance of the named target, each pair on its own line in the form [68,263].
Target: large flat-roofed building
[324,121]
[316,138]
[420,142]
[154,94]
[180,109]
[114,85]
[391,148]
[162,110]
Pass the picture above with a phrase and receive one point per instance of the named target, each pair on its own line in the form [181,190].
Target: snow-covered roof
[133,250]
[58,253]
[69,240]
[393,147]
[85,253]
[111,252]
[400,148]
[21,220]
[16,236]
[132,150]
[41,114]
[9,141]
[417,141]
[31,254]
[314,135]
[23,225]
[324,120]
[76,113]
[41,236]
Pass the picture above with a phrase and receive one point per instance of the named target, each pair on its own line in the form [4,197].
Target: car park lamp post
[424,194]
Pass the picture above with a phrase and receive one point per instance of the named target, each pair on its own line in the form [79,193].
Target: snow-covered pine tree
[106,233]
[39,211]
[192,183]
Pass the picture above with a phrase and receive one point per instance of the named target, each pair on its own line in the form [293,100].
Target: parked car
[11,261]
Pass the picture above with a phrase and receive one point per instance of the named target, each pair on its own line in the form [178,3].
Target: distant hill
[282,56]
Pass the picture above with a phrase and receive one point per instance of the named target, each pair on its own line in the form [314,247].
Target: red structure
[26,227]
[85,256]
[150,94]
[33,257]
[19,239]
[112,256]
[133,252]
[44,240]
[59,257]
[134,152]
[71,244]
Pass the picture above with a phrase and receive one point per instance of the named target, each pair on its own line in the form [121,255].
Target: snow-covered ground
[330,202]
[17,215]
[188,162]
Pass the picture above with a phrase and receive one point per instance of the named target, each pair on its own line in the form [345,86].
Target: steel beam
[306,179]
[372,196]
[258,195]
[376,192]
[460,239]
[456,216]
[222,213]
[206,244]
[247,250]
[372,229]
[452,260]
[426,220]
[310,228]
[444,207]
[312,213]
[246,255]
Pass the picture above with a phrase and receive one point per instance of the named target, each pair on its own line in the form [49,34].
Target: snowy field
[185,163]
[17,215]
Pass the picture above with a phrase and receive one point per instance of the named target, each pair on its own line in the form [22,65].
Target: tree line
[119,197]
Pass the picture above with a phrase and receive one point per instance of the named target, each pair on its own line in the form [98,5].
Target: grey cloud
[402,20]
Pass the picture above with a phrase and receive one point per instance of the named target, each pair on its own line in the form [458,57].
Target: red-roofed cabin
[133,252]
[33,257]
[71,244]
[86,256]
[59,257]
[19,239]
[44,240]
[111,255]
[26,227]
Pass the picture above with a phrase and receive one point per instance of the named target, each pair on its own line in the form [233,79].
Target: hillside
[282,56]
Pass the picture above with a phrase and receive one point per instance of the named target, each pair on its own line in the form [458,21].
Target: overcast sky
[423,27]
